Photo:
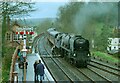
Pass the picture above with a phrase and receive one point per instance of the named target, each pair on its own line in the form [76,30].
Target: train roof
[53,32]
[51,29]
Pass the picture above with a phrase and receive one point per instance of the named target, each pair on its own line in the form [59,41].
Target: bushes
[117,55]
[6,62]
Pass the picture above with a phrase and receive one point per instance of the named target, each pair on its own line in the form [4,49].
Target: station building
[12,36]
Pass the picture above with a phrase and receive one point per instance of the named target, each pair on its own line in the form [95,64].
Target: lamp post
[24,50]
[23,34]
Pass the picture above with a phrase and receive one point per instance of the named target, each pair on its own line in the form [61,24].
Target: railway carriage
[52,35]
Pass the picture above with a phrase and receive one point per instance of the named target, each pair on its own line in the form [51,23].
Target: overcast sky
[49,0]
[46,9]
[49,8]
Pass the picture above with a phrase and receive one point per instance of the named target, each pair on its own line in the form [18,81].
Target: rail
[106,61]
[35,42]
[13,74]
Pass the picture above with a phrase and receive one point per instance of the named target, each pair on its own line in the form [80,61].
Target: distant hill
[32,21]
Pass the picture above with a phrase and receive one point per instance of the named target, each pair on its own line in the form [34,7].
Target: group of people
[38,66]
[39,71]
[21,59]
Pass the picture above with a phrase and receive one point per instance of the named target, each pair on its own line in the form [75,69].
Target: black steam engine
[73,48]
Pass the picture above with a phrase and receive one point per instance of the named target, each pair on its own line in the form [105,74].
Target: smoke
[89,11]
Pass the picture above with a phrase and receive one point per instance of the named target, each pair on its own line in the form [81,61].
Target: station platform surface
[31,58]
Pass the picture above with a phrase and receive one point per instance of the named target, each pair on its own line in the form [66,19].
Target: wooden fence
[13,74]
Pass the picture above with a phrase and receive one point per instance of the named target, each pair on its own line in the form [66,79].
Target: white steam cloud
[90,10]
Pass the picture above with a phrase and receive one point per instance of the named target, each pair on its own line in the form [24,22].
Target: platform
[30,69]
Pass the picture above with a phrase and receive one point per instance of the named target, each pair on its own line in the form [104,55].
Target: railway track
[62,71]
[56,71]
[106,67]
[36,46]
[109,72]
[88,76]
[114,64]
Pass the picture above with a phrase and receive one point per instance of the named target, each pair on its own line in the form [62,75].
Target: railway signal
[27,32]
[23,35]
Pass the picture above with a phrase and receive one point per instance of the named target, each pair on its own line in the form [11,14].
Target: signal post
[23,35]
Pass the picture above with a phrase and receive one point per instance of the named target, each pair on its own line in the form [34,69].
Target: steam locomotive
[74,48]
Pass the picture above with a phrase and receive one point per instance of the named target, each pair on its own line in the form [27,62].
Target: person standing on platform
[40,71]
[25,64]
[35,71]
[18,55]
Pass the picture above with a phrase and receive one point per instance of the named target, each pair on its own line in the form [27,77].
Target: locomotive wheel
[53,53]
[77,64]
[62,53]
[71,61]
[66,58]
[85,64]
[80,64]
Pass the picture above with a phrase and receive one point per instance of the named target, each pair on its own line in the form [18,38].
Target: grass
[5,75]
[6,63]
[106,56]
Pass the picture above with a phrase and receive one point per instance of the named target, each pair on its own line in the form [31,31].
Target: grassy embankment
[105,56]
[110,58]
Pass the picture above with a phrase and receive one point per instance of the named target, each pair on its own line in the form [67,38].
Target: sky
[49,0]
[49,8]
[46,9]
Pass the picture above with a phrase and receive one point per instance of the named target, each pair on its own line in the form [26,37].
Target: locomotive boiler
[74,48]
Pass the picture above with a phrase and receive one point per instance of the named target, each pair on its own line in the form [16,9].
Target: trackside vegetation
[6,63]
[106,56]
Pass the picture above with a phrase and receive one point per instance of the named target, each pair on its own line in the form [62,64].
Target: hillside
[32,21]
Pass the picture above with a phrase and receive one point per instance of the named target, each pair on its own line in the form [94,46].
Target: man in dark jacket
[35,65]
[40,70]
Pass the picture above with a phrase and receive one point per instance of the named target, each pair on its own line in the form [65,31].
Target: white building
[113,45]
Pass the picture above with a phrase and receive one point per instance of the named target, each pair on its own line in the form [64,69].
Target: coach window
[16,37]
[109,48]
[8,36]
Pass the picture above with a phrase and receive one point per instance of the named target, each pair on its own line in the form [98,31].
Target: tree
[12,9]
[8,10]
[44,25]
[101,40]
[66,16]
[89,19]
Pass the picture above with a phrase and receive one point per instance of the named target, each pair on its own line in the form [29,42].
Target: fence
[13,74]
